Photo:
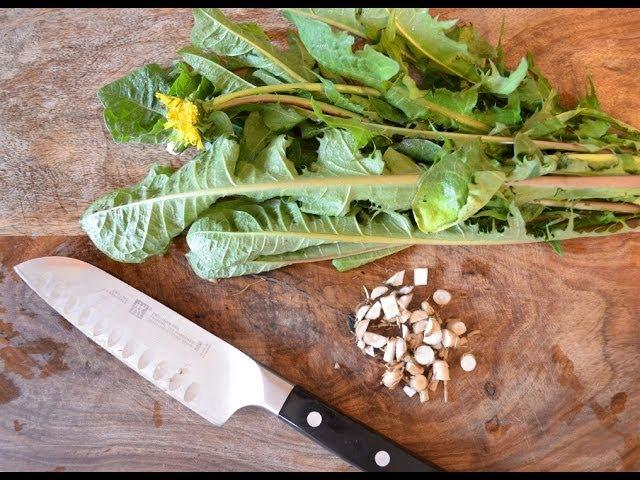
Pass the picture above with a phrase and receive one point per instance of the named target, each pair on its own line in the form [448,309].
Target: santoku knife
[201,371]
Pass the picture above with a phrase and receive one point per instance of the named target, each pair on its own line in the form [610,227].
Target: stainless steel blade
[201,371]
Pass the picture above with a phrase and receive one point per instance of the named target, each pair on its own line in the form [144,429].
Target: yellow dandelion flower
[182,116]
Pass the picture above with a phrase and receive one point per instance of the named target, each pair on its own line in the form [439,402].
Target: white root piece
[433,338]
[378,291]
[424,355]
[361,327]
[362,311]
[396,279]
[405,331]
[427,308]
[414,368]
[419,327]
[370,351]
[424,395]
[401,348]
[468,362]
[409,391]
[374,311]
[391,378]
[374,340]
[434,324]
[456,326]
[449,339]
[405,290]
[441,297]
[405,300]
[361,345]
[418,382]
[431,326]
[441,370]
[418,315]
[390,306]
[404,315]
[390,351]
[420,276]
[336,366]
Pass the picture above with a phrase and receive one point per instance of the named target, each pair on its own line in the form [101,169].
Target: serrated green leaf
[216,123]
[237,238]
[590,128]
[216,33]
[266,78]
[510,115]
[255,136]
[132,224]
[338,156]
[131,110]
[419,149]
[440,106]
[535,90]
[454,189]
[342,18]
[185,84]
[478,46]
[328,251]
[204,90]
[392,44]
[337,98]
[280,119]
[496,83]
[373,21]
[334,51]
[207,65]
[428,36]
[360,132]
[387,112]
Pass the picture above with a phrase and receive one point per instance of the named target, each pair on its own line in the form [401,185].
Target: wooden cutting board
[558,381]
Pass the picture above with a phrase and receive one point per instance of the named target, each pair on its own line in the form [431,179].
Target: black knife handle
[351,440]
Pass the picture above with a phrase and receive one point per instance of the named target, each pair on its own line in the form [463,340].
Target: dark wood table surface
[558,380]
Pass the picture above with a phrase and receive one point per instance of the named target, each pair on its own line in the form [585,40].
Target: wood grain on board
[558,381]
[557,385]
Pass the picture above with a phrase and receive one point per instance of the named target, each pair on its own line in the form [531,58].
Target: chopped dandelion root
[419,352]
[468,362]
[420,276]
[441,297]
[396,279]
[390,306]
[409,391]
[378,292]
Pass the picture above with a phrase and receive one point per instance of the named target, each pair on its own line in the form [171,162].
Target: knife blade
[201,371]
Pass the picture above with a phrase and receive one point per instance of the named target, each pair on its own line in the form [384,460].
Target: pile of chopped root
[416,345]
